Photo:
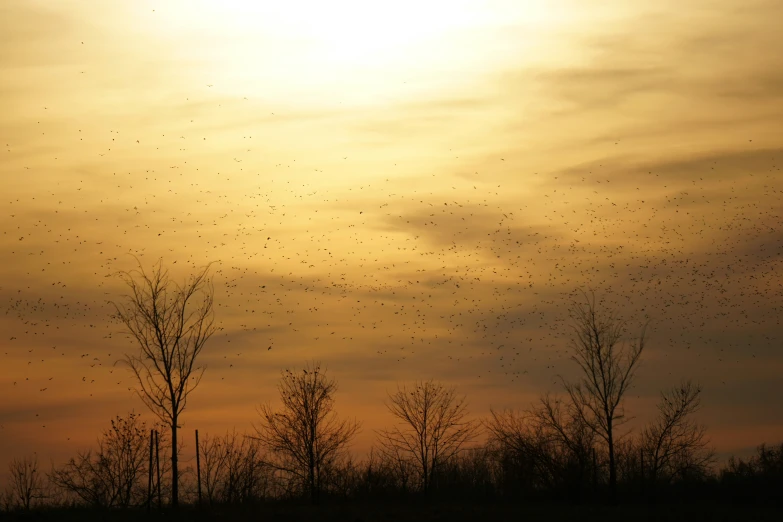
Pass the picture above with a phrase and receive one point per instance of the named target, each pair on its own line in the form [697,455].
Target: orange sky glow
[402,190]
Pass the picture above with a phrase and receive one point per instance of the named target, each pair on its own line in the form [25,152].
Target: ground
[440,512]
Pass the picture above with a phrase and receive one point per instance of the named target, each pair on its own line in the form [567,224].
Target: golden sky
[402,190]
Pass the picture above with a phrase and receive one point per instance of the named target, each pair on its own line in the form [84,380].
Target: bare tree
[673,444]
[571,439]
[549,445]
[377,476]
[469,474]
[757,479]
[607,365]
[26,483]
[116,474]
[432,427]
[305,437]
[7,501]
[213,461]
[171,324]
[233,469]
[517,446]
[247,477]
[399,463]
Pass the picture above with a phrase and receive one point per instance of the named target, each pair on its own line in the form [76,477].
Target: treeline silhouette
[564,449]
[525,459]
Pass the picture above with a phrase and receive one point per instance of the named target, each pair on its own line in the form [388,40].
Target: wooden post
[198,469]
[595,473]
[157,465]
[149,474]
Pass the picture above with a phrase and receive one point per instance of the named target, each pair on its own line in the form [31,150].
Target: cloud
[708,168]
[603,88]
[443,237]
[36,26]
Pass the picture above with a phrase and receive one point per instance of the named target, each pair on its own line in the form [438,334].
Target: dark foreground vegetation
[565,457]
[537,477]
[438,512]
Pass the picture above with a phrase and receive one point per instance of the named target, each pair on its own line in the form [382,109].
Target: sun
[355,32]
[330,53]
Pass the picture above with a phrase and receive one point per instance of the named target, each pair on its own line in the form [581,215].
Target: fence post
[157,465]
[198,469]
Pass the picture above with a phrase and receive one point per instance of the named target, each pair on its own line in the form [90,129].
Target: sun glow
[358,32]
[353,52]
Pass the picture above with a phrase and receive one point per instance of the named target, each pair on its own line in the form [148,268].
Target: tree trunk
[151,468]
[311,477]
[612,469]
[174,470]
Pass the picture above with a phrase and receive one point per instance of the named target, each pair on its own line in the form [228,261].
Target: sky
[401,190]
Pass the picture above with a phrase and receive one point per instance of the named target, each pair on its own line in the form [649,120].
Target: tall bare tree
[673,444]
[171,323]
[432,427]
[305,436]
[607,364]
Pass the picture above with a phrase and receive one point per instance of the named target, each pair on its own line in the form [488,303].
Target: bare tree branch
[26,483]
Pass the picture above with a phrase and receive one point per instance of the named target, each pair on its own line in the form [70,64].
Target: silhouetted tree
[115,475]
[171,324]
[758,479]
[607,366]
[570,438]
[519,448]
[549,446]
[432,427]
[631,478]
[471,474]
[343,478]
[233,469]
[397,460]
[674,445]
[305,436]
[213,462]
[25,482]
[379,476]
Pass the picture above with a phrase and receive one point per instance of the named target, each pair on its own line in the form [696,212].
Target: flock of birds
[445,274]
